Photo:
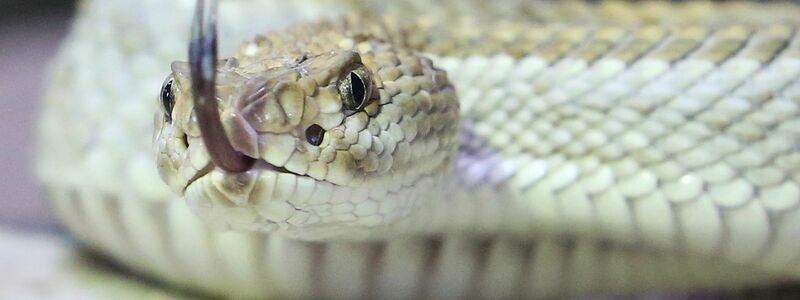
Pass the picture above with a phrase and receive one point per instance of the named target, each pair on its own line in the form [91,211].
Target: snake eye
[167,98]
[355,87]
[314,134]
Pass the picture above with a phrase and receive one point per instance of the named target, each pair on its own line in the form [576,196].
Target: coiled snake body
[417,153]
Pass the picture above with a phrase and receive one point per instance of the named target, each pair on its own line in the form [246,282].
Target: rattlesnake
[494,151]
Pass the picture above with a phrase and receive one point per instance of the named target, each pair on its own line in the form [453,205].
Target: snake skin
[596,157]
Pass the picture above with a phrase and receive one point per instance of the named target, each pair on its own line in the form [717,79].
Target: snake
[431,149]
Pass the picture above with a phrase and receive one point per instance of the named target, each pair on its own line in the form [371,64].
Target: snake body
[569,149]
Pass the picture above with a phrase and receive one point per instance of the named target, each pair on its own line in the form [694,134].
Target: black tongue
[203,67]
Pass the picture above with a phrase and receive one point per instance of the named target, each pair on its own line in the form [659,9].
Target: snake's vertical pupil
[354,88]
[314,134]
[357,89]
[167,99]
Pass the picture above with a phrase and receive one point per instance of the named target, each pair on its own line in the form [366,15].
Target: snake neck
[474,195]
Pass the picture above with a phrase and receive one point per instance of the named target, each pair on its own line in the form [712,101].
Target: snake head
[341,131]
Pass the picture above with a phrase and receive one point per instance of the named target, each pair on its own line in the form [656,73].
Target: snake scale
[435,150]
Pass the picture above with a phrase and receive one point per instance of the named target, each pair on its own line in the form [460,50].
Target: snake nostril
[185,139]
[315,134]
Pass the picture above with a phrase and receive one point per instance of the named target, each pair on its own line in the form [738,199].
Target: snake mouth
[263,165]
[259,166]
[200,174]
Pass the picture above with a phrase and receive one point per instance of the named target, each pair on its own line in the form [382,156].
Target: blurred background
[30,33]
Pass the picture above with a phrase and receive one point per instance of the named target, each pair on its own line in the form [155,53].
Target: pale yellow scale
[661,152]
